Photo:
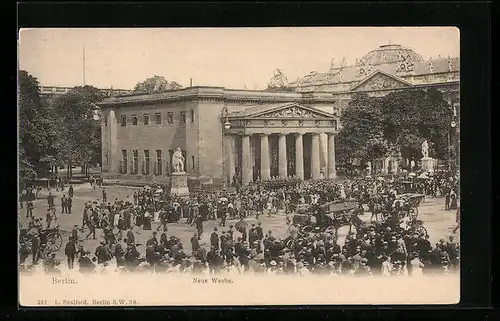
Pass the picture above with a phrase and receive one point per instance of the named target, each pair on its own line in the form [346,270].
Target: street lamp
[225,126]
[453,124]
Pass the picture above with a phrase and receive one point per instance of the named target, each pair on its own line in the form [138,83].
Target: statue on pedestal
[427,162]
[425,149]
[179,185]
[178,161]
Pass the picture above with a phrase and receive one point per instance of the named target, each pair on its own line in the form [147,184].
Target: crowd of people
[373,248]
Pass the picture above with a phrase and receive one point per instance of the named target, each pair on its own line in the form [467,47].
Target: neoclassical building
[256,134]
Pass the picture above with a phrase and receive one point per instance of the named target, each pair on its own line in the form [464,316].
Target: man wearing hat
[214,239]
[273,268]
[199,226]
[70,251]
[85,263]
[252,235]
[153,240]
[102,253]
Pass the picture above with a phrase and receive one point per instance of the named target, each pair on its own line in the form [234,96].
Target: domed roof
[389,54]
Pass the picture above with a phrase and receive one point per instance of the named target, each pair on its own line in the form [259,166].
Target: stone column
[323,154]
[114,161]
[299,157]
[230,158]
[265,159]
[332,172]
[282,156]
[246,167]
[315,161]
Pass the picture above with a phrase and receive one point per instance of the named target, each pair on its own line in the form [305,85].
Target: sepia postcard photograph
[238,166]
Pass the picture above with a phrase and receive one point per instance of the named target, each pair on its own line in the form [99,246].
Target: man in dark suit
[50,200]
[74,233]
[152,241]
[69,204]
[70,251]
[214,239]
[130,237]
[259,231]
[64,208]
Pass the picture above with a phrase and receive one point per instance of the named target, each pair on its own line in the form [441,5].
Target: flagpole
[84,65]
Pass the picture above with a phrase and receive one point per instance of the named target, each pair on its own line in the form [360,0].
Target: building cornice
[217,94]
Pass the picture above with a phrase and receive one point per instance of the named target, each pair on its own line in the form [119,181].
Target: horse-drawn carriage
[50,240]
[328,218]
[405,205]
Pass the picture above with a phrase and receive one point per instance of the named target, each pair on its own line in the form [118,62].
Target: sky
[242,58]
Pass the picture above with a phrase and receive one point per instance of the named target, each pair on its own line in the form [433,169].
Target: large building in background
[384,70]
[54,91]
[257,134]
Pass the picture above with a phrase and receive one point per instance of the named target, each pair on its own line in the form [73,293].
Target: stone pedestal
[427,164]
[179,184]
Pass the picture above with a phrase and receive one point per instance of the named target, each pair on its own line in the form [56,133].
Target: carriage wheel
[289,242]
[54,242]
[307,229]
[331,229]
[413,212]
[421,230]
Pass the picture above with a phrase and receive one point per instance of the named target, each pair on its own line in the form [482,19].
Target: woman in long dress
[453,200]
[416,266]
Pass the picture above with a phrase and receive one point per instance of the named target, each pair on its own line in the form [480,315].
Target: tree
[37,129]
[361,136]
[80,132]
[412,116]
[156,84]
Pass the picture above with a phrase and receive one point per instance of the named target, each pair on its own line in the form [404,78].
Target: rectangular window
[146,162]
[183,117]
[123,165]
[192,161]
[192,116]
[134,120]
[158,118]
[146,119]
[170,118]
[158,165]
[135,162]
[123,120]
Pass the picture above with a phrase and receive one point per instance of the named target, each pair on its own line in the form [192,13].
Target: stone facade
[191,119]
[384,70]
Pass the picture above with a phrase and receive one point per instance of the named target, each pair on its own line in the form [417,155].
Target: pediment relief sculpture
[379,82]
[292,112]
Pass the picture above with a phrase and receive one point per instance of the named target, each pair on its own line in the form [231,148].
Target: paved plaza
[438,222]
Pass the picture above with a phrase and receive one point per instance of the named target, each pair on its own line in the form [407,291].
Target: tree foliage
[37,129]
[412,116]
[80,129]
[362,136]
[375,127]
[155,84]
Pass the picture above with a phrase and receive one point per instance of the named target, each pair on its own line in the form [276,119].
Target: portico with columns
[280,141]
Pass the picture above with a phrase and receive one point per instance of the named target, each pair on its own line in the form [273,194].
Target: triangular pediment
[291,110]
[380,80]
